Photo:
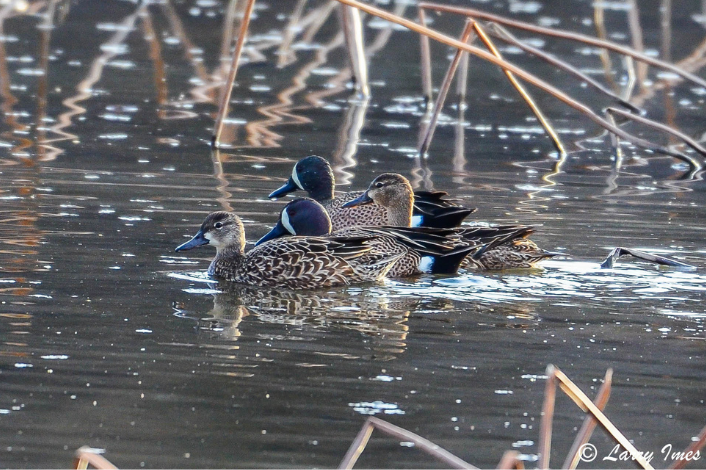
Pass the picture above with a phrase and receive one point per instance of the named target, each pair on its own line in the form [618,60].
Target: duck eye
[379,184]
[218,225]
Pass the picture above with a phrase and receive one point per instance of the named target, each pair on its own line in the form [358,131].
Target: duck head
[393,192]
[311,174]
[303,217]
[220,229]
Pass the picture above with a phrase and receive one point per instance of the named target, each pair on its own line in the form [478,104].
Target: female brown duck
[295,263]
[394,193]
[314,175]
[421,249]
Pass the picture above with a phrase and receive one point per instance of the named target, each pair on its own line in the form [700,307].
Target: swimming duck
[295,263]
[394,193]
[421,249]
[314,175]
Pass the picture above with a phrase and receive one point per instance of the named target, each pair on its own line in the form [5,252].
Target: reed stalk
[545,427]
[479,14]
[521,90]
[425,62]
[86,456]
[589,423]
[443,91]
[353,32]
[520,72]
[694,447]
[587,406]
[661,127]
[511,460]
[397,432]
[228,85]
[638,43]
[499,32]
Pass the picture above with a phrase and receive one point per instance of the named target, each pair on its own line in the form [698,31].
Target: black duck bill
[289,187]
[277,231]
[197,240]
[359,201]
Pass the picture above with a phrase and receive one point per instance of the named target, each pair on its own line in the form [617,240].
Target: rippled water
[110,339]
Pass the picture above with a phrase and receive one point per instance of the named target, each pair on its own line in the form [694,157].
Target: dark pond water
[110,339]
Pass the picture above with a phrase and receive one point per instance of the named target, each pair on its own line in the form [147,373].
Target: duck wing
[310,262]
[432,210]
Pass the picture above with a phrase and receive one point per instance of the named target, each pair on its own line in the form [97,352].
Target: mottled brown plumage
[295,263]
[421,249]
[354,216]
[314,175]
[393,192]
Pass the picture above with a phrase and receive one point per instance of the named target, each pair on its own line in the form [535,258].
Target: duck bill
[289,187]
[276,232]
[198,240]
[359,201]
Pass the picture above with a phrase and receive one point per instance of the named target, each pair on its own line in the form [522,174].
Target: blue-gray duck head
[311,174]
[302,217]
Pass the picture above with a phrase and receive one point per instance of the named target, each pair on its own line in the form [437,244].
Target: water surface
[112,340]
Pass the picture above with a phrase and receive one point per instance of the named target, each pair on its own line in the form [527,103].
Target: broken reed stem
[587,406]
[478,14]
[693,447]
[521,90]
[353,32]
[661,127]
[443,91]
[397,432]
[539,83]
[511,460]
[228,85]
[589,423]
[425,61]
[544,446]
[86,456]
[499,32]
[616,253]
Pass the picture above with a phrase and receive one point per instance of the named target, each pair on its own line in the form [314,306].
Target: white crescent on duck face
[295,178]
[419,249]
[314,175]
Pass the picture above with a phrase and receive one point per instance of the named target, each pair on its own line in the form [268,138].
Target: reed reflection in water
[110,339]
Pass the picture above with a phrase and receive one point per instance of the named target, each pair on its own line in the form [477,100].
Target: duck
[293,263]
[314,175]
[393,192]
[421,249]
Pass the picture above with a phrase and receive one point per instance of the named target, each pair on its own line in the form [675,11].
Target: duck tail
[450,262]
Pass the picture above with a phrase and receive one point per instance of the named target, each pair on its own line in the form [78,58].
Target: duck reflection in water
[381,321]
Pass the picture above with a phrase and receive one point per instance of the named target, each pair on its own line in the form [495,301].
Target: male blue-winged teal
[421,249]
[295,263]
[314,175]
[394,193]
